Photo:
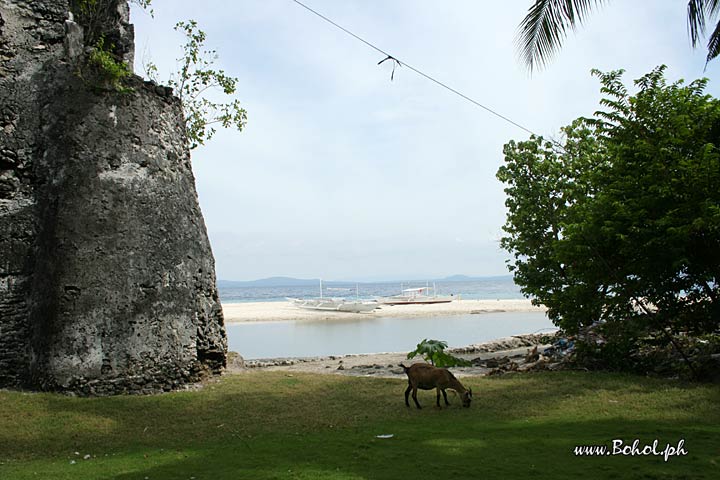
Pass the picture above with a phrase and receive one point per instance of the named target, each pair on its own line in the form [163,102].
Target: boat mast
[321,288]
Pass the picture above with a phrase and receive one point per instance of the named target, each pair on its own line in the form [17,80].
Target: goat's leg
[407,394]
[437,396]
[445,395]
[414,395]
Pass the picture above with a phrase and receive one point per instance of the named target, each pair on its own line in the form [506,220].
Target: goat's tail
[405,369]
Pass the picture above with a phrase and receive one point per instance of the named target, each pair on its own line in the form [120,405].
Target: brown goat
[427,377]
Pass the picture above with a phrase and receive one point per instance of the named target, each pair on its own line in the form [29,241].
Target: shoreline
[252,312]
[386,364]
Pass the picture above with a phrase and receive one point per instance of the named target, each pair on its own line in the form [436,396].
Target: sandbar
[286,311]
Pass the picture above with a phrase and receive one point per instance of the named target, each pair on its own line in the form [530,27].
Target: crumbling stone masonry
[107,280]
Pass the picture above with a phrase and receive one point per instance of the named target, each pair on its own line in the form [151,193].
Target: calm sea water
[490,288]
[375,334]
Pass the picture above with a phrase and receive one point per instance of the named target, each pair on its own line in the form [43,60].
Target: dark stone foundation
[107,281]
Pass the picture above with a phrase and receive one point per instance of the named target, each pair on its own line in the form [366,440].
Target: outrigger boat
[415,296]
[335,304]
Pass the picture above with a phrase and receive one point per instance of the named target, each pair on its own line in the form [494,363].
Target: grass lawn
[267,425]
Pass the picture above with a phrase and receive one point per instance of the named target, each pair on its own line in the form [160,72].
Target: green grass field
[264,425]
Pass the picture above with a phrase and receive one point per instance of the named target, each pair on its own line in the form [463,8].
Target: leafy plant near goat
[433,351]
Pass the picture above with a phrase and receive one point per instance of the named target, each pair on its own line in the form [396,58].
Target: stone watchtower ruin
[107,279]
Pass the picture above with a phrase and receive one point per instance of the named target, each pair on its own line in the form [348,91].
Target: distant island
[301,282]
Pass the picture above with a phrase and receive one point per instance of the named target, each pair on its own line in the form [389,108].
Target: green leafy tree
[544,28]
[433,351]
[622,227]
[195,80]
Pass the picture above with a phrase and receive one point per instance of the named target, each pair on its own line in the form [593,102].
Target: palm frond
[698,13]
[712,7]
[696,20]
[713,45]
[544,28]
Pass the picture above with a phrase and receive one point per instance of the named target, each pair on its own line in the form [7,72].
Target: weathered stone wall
[107,280]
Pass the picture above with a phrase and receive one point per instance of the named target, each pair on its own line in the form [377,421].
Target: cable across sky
[419,72]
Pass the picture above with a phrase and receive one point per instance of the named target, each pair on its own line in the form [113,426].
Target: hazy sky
[344,174]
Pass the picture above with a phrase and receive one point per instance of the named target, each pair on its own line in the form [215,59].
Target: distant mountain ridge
[290,281]
[269,282]
[460,278]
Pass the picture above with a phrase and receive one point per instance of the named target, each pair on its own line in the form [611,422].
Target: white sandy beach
[283,311]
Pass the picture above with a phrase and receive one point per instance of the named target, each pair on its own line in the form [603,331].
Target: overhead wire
[419,72]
